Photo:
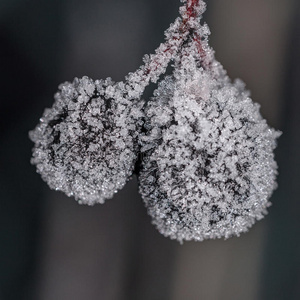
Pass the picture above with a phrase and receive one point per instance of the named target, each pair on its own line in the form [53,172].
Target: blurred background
[51,248]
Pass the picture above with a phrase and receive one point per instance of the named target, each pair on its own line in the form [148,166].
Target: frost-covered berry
[208,167]
[85,145]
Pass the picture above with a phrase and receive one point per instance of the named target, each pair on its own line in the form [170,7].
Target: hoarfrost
[210,170]
[207,166]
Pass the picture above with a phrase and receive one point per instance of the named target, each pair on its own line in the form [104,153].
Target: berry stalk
[178,32]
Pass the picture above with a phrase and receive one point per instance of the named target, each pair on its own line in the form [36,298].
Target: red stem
[191,4]
[197,39]
[191,13]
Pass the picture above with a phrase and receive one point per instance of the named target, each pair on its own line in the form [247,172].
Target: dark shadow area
[30,39]
[281,268]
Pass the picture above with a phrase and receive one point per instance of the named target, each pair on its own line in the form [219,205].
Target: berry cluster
[206,167]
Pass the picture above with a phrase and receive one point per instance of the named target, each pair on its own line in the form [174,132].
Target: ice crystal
[208,167]
[85,145]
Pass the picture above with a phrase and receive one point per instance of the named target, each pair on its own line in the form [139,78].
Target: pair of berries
[205,154]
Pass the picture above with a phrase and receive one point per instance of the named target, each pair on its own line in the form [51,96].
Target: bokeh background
[51,248]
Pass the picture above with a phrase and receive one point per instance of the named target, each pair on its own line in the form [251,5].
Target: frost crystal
[208,167]
[85,145]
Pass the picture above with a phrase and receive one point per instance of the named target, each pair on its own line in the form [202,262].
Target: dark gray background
[52,248]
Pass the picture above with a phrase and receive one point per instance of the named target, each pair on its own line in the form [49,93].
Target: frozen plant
[86,145]
[207,166]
